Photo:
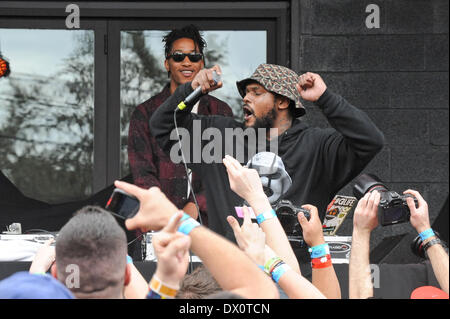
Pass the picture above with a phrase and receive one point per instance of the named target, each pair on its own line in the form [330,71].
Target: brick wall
[399,75]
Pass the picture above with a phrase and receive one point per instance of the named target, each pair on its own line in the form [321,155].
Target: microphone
[197,93]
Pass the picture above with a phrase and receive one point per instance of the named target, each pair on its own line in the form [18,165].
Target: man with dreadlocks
[150,166]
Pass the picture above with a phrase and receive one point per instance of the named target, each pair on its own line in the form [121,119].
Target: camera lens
[365,183]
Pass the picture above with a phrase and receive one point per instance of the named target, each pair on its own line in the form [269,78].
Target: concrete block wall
[398,74]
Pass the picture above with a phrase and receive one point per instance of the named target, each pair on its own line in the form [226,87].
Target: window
[46,112]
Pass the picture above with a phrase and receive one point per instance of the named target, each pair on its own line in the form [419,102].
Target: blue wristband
[129,260]
[184,217]
[319,251]
[279,271]
[188,224]
[265,216]
[426,234]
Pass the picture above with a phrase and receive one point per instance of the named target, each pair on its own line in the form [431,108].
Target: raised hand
[205,79]
[312,229]
[155,208]
[365,217]
[172,251]
[310,86]
[249,237]
[420,219]
[243,181]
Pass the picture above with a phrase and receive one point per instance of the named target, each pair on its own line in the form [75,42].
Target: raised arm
[323,273]
[251,239]
[162,123]
[293,284]
[247,184]
[232,269]
[356,139]
[421,222]
[172,252]
[364,221]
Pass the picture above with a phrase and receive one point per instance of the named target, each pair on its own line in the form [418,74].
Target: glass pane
[47,112]
[143,74]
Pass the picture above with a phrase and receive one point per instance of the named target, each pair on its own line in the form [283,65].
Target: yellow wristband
[162,289]
[271,263]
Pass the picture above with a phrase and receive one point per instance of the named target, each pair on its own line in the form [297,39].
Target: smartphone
[122,204]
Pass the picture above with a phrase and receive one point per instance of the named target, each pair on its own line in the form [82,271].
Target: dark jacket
[319,161]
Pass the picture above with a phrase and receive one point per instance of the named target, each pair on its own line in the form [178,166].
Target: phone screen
[122,204]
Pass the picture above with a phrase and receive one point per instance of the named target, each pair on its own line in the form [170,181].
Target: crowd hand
[249,237]
[44,258]
[365,217]
[311,86]
[191,210]
[205,79]
[420,219]
[155,208]
[243,181]
[312,229]
[172,251]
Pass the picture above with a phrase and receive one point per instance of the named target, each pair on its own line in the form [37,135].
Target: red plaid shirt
[150,166]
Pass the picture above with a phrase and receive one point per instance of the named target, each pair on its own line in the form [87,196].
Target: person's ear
[54,271]
[282,102]
[166,65]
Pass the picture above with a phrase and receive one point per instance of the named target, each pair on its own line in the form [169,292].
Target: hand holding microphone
[205,81]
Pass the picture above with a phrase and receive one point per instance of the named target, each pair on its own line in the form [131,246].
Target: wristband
[322,262]
[279,271]
[265,216]
[432,242]
[270,265]
[160,288]
[129,260]
[319,251]
[426,234]
[188,224]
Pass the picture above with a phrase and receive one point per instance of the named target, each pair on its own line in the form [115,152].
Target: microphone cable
[187,176]
[181,106]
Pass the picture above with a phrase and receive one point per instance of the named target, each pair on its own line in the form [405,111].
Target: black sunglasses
[178,56]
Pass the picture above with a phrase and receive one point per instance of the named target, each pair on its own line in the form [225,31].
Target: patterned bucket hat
[277,79]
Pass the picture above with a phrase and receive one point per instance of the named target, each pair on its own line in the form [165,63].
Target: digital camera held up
[393,208]
[287,215]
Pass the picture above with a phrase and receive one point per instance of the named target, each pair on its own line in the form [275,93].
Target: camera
[393,208]
[287,215]
[122,204]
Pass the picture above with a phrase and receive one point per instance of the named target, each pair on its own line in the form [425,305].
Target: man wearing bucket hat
[319,161]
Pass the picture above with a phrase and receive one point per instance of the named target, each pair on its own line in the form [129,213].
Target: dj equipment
[21,247]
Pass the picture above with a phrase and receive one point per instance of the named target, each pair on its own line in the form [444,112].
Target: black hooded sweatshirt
[319,161]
